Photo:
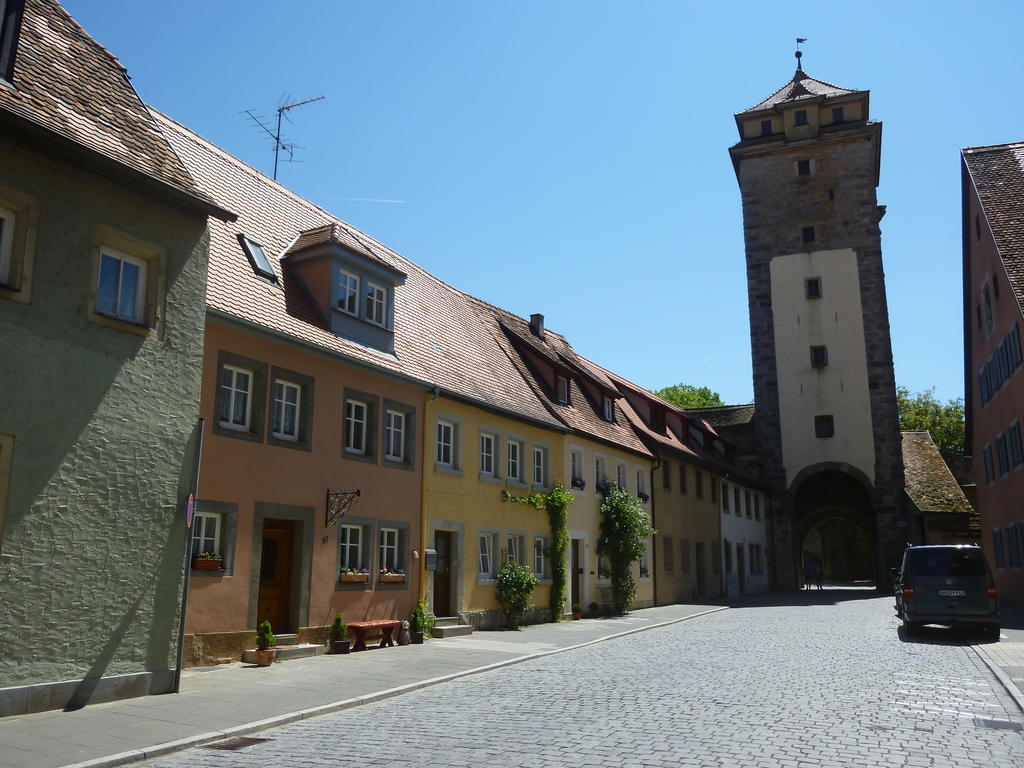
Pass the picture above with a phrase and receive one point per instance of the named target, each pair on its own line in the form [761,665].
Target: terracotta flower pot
[264,658]
[354,578]
[392,578]
[576,615]
[203,564]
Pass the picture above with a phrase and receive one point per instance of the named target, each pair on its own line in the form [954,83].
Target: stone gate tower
[825,400]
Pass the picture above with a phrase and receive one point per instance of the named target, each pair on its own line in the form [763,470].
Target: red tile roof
[68,83]
[800,86]
[335,234]
[929,483]
[998,175]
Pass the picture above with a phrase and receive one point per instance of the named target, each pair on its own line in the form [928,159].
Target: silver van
[949,585]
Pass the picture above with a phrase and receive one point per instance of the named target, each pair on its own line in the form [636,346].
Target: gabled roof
[70,85]
[998,175]
[929,483]
[334,234]
[800,86]
[724,415]
[439,339]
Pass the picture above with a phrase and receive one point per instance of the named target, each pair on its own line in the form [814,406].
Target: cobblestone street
[813,682]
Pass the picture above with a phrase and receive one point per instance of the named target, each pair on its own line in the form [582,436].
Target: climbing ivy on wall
[624,527]
[557,505]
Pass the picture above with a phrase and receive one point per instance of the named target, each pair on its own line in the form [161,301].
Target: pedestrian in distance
[818,574]
[808,574]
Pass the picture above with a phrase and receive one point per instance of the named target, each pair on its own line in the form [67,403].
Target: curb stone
[167,747]
[1008,684]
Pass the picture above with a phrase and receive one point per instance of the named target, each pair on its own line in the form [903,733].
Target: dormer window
[562,389]
[257,258]
[609,408]
[800,117]
[348,293]
[766,127]
[376,304]
[837,115]
[10,26]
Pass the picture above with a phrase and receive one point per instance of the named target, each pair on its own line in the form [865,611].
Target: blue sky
[571,158]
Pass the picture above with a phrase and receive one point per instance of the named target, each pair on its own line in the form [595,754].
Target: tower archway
[834,526]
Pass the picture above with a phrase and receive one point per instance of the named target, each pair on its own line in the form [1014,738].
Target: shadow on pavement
[830,595]
[935,635]
[1011,616]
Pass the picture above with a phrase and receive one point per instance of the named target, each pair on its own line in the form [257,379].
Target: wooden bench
[387,629]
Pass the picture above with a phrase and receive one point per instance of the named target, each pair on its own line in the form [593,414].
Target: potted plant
[420,623]
[579,483]
[595,611]
[265,642]
[339,630]
[354,575]
[207,561]
[577,611]
[392,575]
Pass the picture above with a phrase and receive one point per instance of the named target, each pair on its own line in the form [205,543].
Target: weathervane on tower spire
[799,53]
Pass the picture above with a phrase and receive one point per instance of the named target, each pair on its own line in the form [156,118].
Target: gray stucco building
[103,250]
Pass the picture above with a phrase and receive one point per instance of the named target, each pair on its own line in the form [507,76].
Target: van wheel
[909,627]
[991,631]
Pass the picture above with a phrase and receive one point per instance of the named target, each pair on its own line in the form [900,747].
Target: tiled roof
[929,483]
[998,176]
[801,86]
[333,233]
[439,338]
[724,415]
[68,83]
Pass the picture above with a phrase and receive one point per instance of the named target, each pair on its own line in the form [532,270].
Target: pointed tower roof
[801,86]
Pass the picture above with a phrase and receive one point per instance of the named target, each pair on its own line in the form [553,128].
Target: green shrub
[624,528]
[339,629]
[420,620]
[265,636]
[515,585]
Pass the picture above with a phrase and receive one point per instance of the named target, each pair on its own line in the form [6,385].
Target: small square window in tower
[803,167]
[808,235]
[800,117]
[819,357]
[766,127]
[824,426]
[812,287]
[837,115]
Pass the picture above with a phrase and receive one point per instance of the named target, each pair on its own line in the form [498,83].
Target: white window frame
[230,393]
[279,406]
[540,558]
[644,563]
[348,293]
[620,476]
[576,465]
[609,408]
[352,406]
[10,220]
[388,551]
[540,466]
[444,445]
[348,546]
[394,435]
[485,555]
[139,313]
[516,543]
[562,389]
[514,459]
[200,522]
[641,483]
[376,304]
[600,470]
[488,458]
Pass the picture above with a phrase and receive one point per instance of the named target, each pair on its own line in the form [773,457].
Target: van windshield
[947,562]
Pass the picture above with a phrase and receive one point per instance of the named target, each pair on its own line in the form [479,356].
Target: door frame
[584,564]
[302,558]
[457,564]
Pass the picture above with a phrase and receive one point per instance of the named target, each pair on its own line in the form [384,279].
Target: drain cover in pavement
[999,725]
[239,742]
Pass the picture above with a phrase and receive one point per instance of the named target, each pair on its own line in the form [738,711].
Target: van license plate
[952,593]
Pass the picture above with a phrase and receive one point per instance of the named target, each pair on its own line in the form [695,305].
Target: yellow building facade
[472,456]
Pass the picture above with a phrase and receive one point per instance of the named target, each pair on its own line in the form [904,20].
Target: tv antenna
[276,134]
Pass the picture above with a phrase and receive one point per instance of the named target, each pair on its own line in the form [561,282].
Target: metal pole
[193,496]
[277,140]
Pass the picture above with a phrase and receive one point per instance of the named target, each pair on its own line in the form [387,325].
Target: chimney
[537,325]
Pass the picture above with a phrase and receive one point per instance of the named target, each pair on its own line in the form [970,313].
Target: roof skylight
[257,258]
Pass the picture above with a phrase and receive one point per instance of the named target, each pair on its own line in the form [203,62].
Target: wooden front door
[443,574]
[699,561]
[577,573]
[275,596]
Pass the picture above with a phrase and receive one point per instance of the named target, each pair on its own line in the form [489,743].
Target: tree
[624,528]
[922,411]
[689,396]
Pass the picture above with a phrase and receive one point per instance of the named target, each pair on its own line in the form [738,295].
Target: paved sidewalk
[236,699]
[1006,658]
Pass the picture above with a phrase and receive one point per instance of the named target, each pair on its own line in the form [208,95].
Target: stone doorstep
[452,630]
[287,640]
[286,652]
[447,621]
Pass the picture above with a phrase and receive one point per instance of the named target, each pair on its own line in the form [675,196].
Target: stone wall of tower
[839,200]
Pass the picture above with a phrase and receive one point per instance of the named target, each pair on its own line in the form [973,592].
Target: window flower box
[354,577]
[579,483]
[206,561]
[392,578]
